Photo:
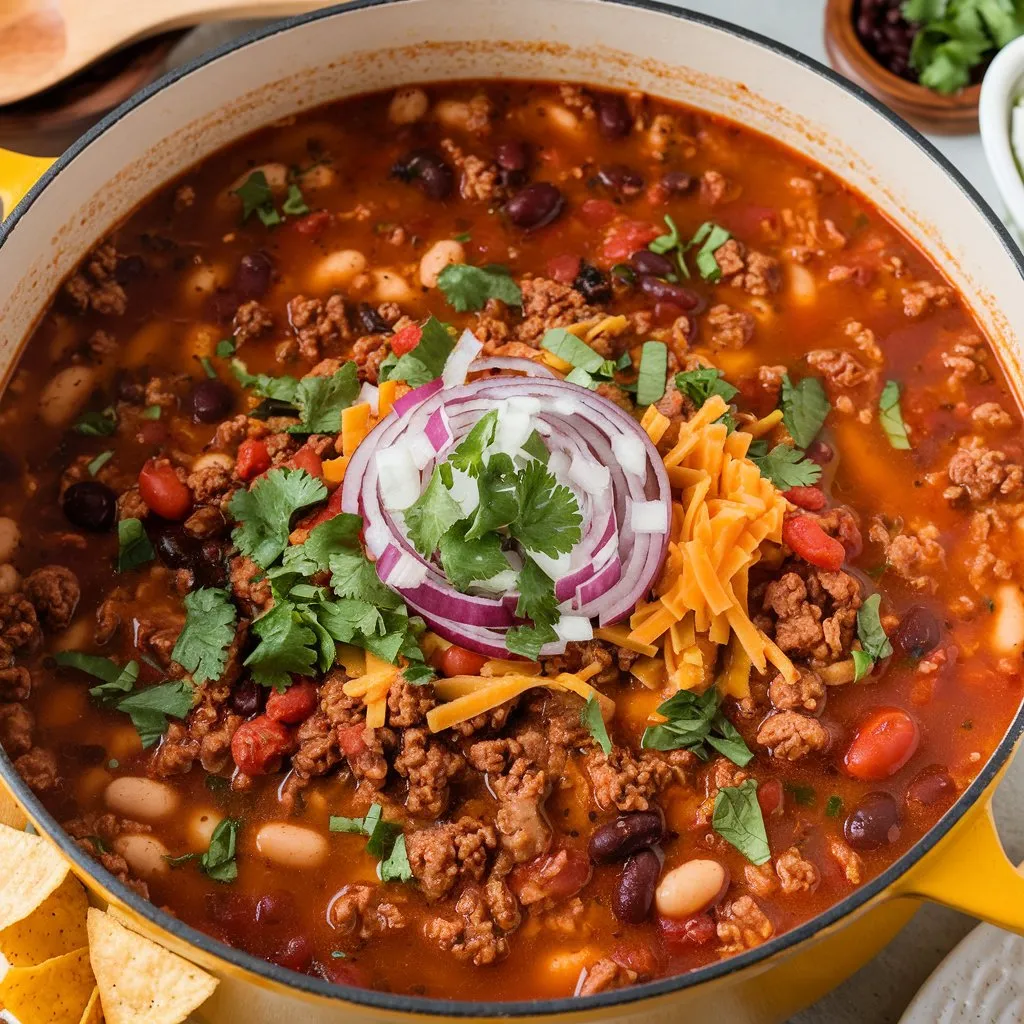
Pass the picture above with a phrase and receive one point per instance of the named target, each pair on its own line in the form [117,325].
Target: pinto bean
[624,836]
[690,888]
[141,799]
[437,257]
[634,893]
[65,395]
[291,846]
[145,855]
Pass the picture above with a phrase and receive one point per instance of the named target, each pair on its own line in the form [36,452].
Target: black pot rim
[391,1002]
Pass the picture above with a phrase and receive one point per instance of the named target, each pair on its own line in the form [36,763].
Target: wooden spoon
[42,42]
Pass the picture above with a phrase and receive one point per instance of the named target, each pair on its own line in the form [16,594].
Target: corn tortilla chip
[10,810]
[140,980]
[57,926]
[93,1013]
[31,869]
[56,991]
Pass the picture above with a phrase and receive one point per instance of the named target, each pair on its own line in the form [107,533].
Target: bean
[665,291]
[634,893]
[211,401]
[428,171]
[535,205]
[275,907]
[621,178]
[291,846]
[932,786]
[202,824]
[440,255]
[884,742]
[90,505]
[643,261]
[624,836]
[408,105]
[247,698]
[252,278]
[690,888]
[338,268]
[10,538]
[371,321]
[223,305]
[873,823]
[145,855]
[63,397]
[592,284]
[613,117]
[390,286]
[512,156]
[10,579]
[676,182]
[918,632]
[143,799]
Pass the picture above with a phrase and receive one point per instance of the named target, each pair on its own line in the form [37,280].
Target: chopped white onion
[553,567]
[465,490]
[558,465]
[574,627]
[421,450]
[369,394]
[398,475]
[649,517]
[630,452]
[589,475]
[513,430]
[377,537]
[407,572]
[466,350]
[504,582]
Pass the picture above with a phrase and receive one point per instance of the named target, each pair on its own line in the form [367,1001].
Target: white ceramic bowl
[1003,84]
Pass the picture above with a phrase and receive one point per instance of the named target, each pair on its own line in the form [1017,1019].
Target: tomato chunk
[623,240]
[771,797]
[457,661]
[551,876]
[296,704]
[689,931]
[808,540]
[259,744]
[352,740]
[329,511]
[253,458]
[564,268]
[313,224]
[597,212]
[811,498]
[162,491]
[882,745]
[307,459]
[406,339]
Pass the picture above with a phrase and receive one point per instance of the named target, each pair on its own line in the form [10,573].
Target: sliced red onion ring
[516,364]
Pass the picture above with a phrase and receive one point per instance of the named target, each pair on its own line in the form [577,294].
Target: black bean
[175,548]
[676,182]
[129,388]
[873,823]
[512,156]
[592,284]
[643,261]
[932,786]
[613,117]
[253,276]
[209,566]
[624,836]
[211,401]
[224,304]
[621,178]
[665,291]
[634,892]
[918,632]
[129,268]
[371,321]
[90,505]
[534,206]
[247,698]
[427,170]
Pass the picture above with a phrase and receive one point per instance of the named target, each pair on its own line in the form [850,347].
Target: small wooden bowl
[925,109]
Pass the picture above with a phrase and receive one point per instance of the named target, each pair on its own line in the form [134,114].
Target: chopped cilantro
[737,819]
[500,497]
[320,400]
[294,204]
[538,603]
[426,361]
[577,375]
[593,720]
[804,796]
[324,540]
[468,288]
[890,415]
[534,445]
[693,720]
[667,242]
[565,345]
[710,237]
[863,663]
[382,837]
[99,462]
[833,807]
[208,369]
[396,867]
[282,389]
[465,561]
[287,646]
[700,385]
[116,680]
[152,412]
[225,348]
[202,646]
[133,545]
[418,675]
[150,708]
[650,382]
[257,198]
[97,424]
[869,629]
[218,862]
[468,456]
[787,467]
[431,515]
[804,408]
[549,517]
[462,236]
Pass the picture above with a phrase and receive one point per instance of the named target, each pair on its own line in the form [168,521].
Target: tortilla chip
[140,980]
[10,810]
[54,928]
[93,1013]
[56,991]
[31,869]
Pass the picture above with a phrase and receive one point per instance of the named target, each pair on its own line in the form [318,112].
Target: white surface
[999,93]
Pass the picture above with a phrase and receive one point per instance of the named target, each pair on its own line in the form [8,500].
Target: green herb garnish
[890,415]
[134,547]
[469,288]
[650,381]
[99,462]
[209,628]
[738,820]
[97,424]
[787,467]
[805,407]
[592,718]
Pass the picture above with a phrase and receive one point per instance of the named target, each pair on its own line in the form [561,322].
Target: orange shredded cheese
[334,469]
[372,686]
[387,394]
[355,425]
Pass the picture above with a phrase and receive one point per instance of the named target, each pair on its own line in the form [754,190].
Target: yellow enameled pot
[372,44]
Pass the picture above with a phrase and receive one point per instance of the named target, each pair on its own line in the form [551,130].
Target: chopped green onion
[650,383]
[561,343]
[891,416]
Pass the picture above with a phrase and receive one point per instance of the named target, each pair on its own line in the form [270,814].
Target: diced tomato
[667,313]
[457,661]
[564,268]
[313,224]
[329,511]
[882,745]
[811,498]
[690,931]
[162,491]
[624,239]
[153,432]
[307,459]
[252,459]
[771,797]
[596,213]
[406,339]
[352,740]
[552,876]
[296,704]
[811,543]
[259,744]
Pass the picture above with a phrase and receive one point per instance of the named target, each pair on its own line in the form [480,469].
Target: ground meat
[742,924]
[840,368]
[503,905]
[605,976]
[348,912]
[795,873]
[38,767]
[790,735]
[408,705]
[493,756]
[627,781]
[251,321]
[368,353]
[341,710]
[523,831]
[429,766]
[581,653]
[714,187]
[798,628]
[176,754]
[15,683]
[95,285]
[472,936]
[847,859]
[250,585]
[205,522]
[54,592]
[761,879]
[211,484]
[922,296]
[317,325]
[966,360]
[917,557]
[319,749]
[479,179]
[991,416]
[728,327]
[754,272]
[16,724]
[982,473]
[806,694]
[816,613]
[369,767]
[446,854]
[548,304]
[19,626]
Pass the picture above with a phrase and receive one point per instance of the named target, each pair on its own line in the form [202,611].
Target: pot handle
[18,173]
[970,872]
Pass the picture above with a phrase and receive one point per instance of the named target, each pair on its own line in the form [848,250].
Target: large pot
[630,43]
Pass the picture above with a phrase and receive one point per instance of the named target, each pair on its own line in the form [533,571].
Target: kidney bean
[208,566]
[811,498]
[298,702]
[621,178]
[613,117]
[259,744]
[296,954]
[223,305]
[624,836]
[535,206]
[873,823]
[932,786]
[371,321]
[457,661]
[162,491]
[808,540]
[676,182]
[247,698]
[274,907]
[820,452]
[918,632]
[551,876]
[592,284]
[175,548]
[634,894]
[211,401]
[231,909]
[665,291]
[643,261]
[90,505]
[427,170]
[512,155]
[884,742]
[252,278]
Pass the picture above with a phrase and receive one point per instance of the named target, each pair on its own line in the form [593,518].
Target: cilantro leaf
[593,720]
[431,515]
[294,204]
[97,424]
[549,517]
[534,445]
[218,862]
[313,556]
[890,415]
[116,680]
[468,456]
[286,646]
[650,382]
[385,840]
[202,645]
[498,505]
[465,560]
[418,675]
[527,641]
[282,389]
[700,385]
[225,348]
[99,462]
[133,545]
[347,619]
[468,288]
[396,867]
[353,575]
[257,198]
[737,819]
[804,408]
[565,345]
[321,400]
[710,237]
[870,632]
[426,361]
[537,600]
[667,242]
[150,708]
[787,467]
[265,511]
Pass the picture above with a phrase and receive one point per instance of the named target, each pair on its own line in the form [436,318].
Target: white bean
[142,799]
[275,173]
[563,119]
[690,888]
[63,397]
[391,287]
[203,281]
[10,579]
[290,845]
[1008,628]
[10,538]
[210,459]
[803,289]
[145,855]
[318,176]
[453,113]
[337,269]
[408,105]
[437,257]
[201,826]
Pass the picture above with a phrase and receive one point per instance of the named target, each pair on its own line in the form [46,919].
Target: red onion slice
[515,364]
